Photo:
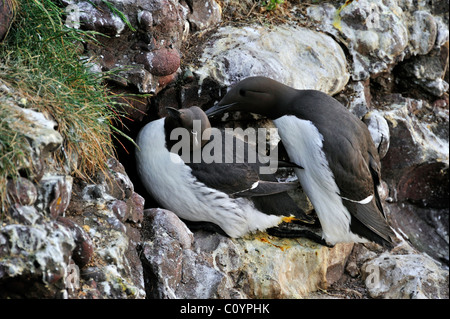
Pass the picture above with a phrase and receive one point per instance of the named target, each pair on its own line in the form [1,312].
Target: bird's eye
[242,92]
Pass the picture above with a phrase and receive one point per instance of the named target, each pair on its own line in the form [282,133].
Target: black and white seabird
[233,196]
[341,164]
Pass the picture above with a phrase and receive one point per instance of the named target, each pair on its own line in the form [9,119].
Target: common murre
[341,164]
[233,196]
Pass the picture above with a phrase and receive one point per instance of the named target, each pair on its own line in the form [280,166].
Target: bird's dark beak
[219,109]
[173,112]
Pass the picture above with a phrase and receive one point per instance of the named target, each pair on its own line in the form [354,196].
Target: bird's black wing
[356,170]
[242,177]
[237,179]
[368,222]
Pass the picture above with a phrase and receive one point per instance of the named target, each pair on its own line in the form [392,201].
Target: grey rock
[379,130]
[427,72]
[26,215]
[135,211]
[418,185]
[99,18]
[359,99]
[422,32]
[205,14]
[112,225]
[83,250]
[41,135]
[143,27]
[418,135]
[34,256]
[374,31]
[177,269]
[118,184]
[160,62]
[405,276]
[145,19]
[21,191]
[316,62]
[182,264]
[119,208]
[379,34]
[54,194]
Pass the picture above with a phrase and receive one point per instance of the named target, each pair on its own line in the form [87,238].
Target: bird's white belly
[172,184]
[303,143]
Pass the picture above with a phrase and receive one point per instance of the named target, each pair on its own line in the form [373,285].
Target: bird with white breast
[341,166]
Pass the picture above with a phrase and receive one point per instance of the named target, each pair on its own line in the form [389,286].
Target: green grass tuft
[40,59]
[270,5]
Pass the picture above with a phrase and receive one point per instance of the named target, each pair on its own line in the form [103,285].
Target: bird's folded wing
[237,179]
[369,216]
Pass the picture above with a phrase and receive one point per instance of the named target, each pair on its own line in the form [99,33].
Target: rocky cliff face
[387,61]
